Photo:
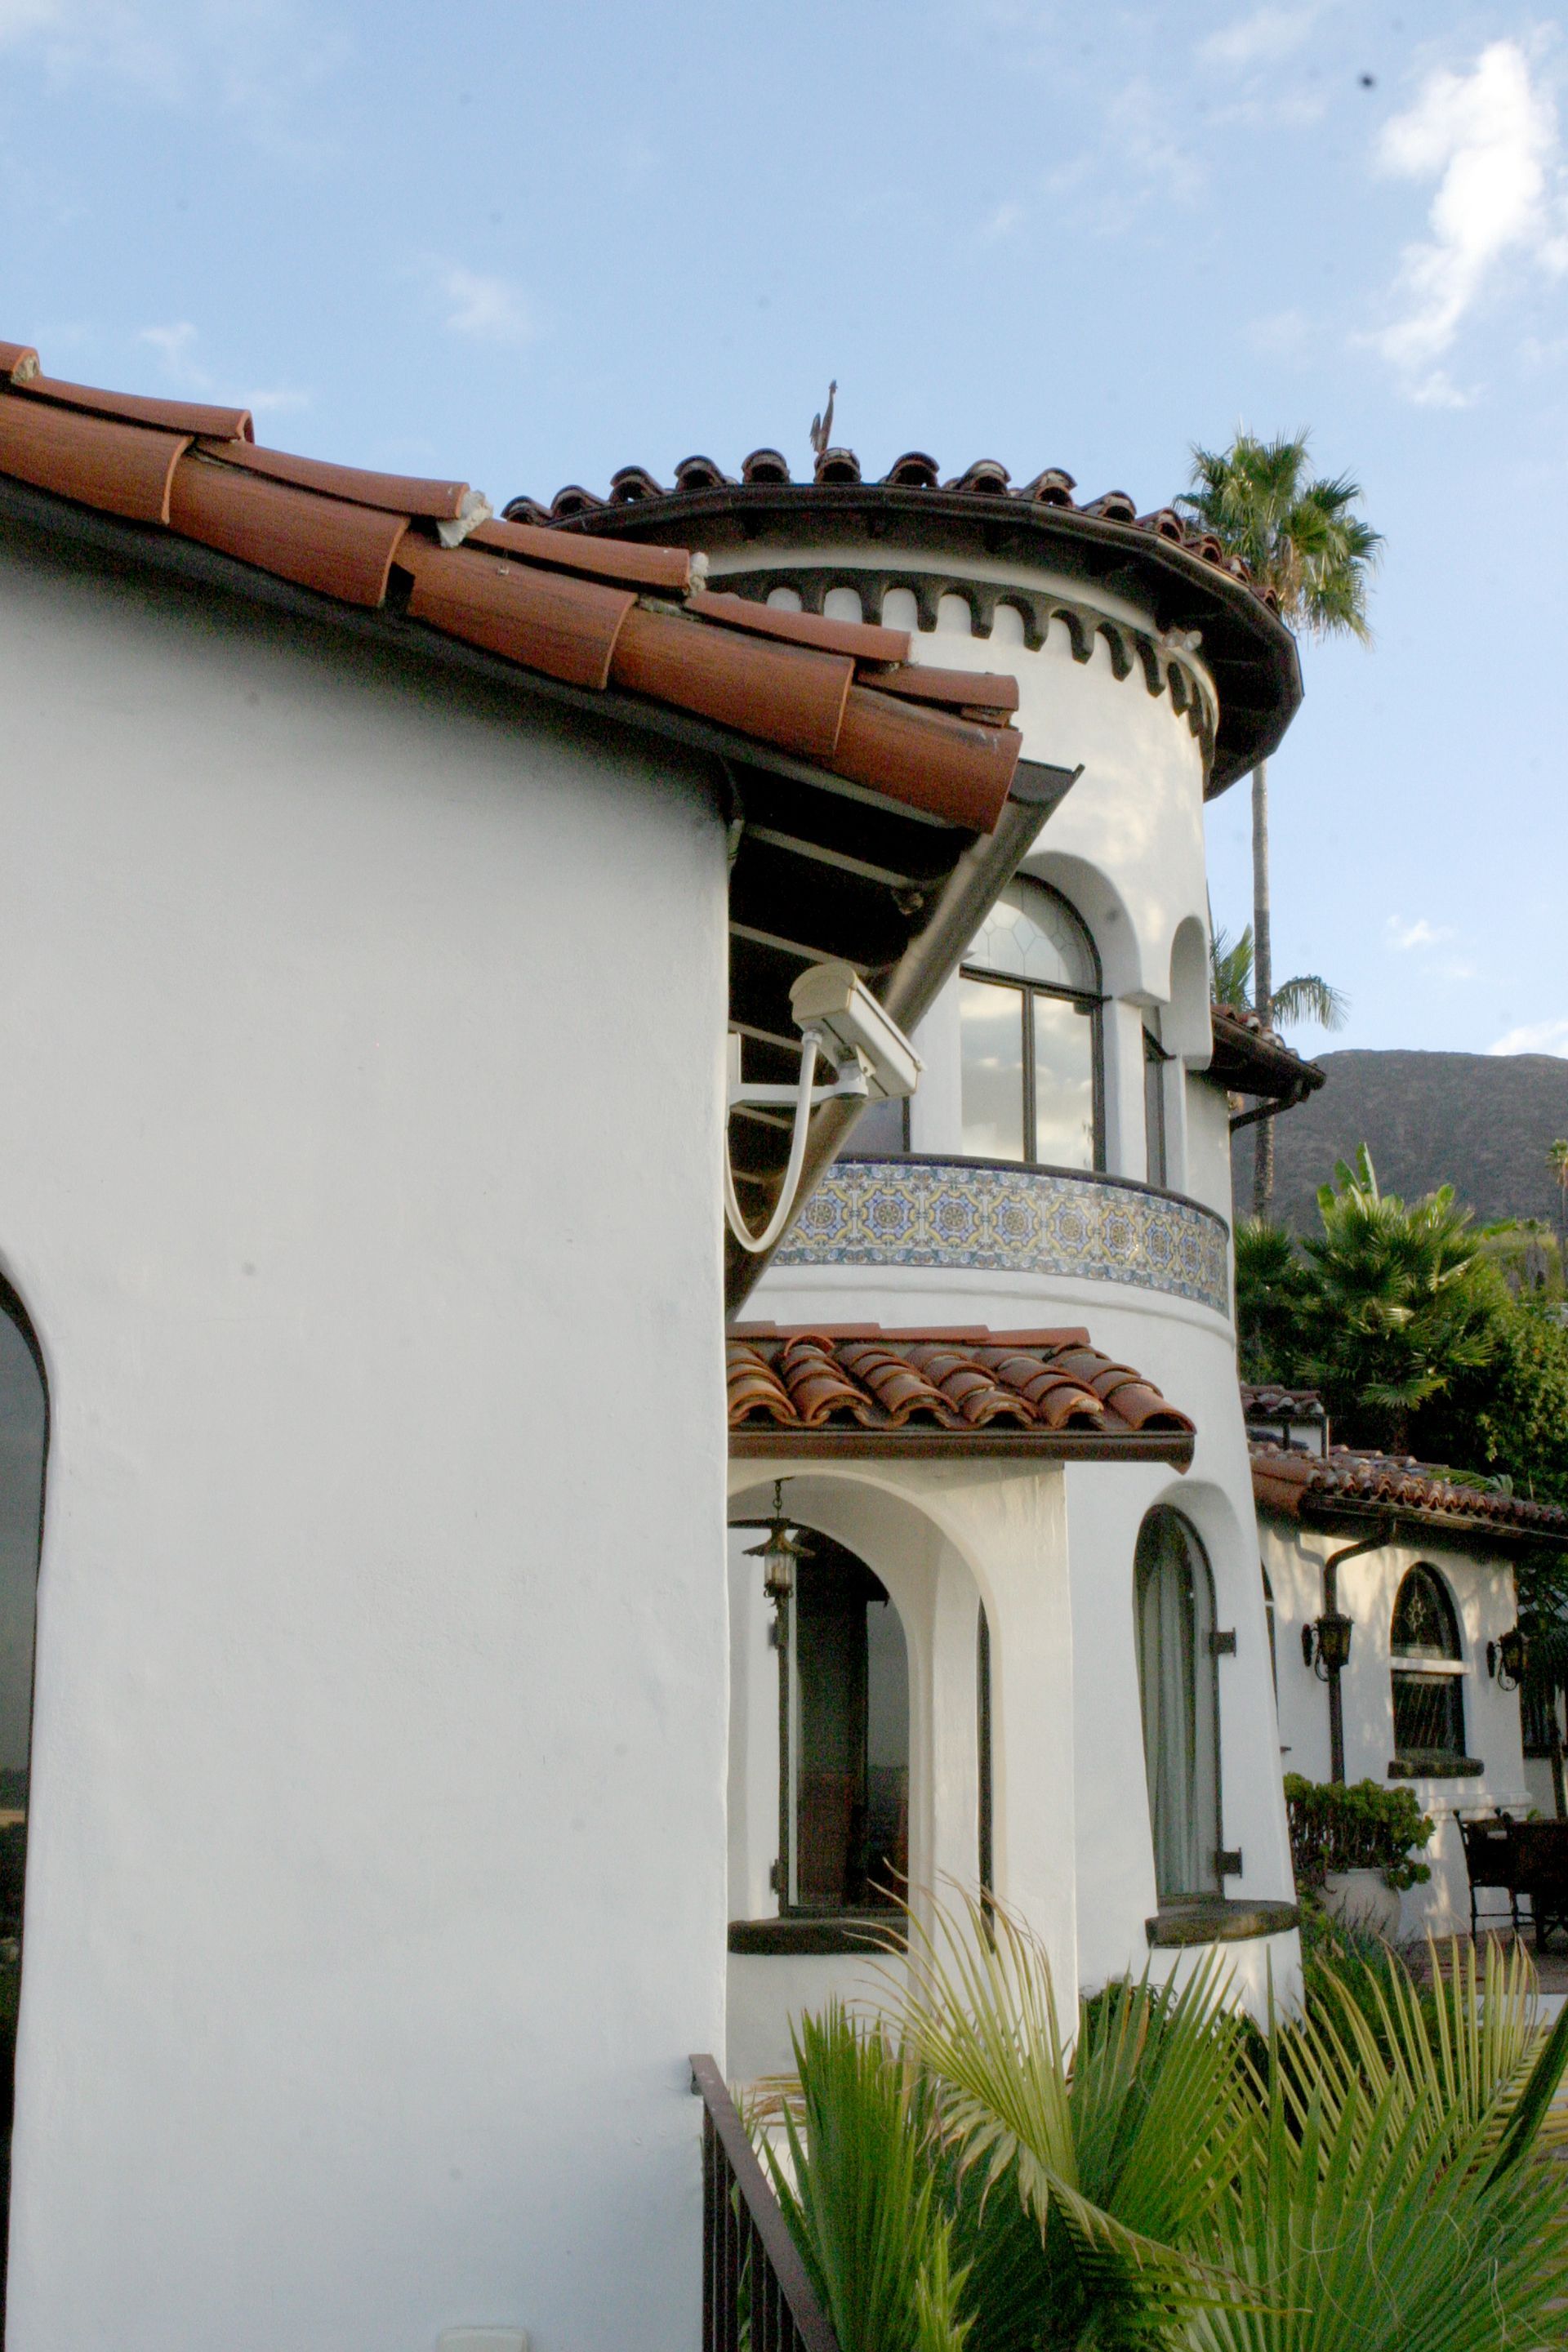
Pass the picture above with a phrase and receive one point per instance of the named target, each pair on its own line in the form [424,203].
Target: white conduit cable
[758,1243]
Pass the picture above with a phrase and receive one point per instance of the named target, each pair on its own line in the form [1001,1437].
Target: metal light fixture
[1508,1659]
[1326,1643]
[783,1547]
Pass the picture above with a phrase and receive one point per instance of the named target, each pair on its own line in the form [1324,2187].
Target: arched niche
[1185,1027]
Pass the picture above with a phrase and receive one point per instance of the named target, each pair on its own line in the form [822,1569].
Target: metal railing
[756,2295]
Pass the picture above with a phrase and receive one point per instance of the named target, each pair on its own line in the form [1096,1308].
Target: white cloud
[177,348]
[277,403]
[1418,934]
[1535,1037]
[1007,216]
[1489,140]
[1259,39]
[486,310]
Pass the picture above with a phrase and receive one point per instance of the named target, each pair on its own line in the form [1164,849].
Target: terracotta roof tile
[1251,1058]
[339,550]
[787,694]
[118,467]
[172,416]
[626,563]
[839,1387]
[571,607]
[1297,1486]
[862,640]
[564,626]
[985,478]
[398,493]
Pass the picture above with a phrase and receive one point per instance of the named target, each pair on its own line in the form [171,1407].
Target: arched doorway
[24,1439]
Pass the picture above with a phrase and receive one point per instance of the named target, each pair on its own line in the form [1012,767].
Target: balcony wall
[986,1216]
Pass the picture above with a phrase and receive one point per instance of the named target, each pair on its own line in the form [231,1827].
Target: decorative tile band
[974,1214]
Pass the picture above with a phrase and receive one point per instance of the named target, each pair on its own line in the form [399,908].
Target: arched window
[24,1434]
[1029,1000]
[1428,1678]
[1180,1691]
[845,1810]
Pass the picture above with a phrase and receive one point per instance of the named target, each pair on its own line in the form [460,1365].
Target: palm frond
[1308,998]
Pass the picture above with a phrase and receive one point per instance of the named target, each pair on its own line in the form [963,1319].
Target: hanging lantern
[783,1547]
[1509,1658]
[1326,1643]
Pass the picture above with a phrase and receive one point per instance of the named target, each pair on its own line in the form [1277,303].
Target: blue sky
[530,242]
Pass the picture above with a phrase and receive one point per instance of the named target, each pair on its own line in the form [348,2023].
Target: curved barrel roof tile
[593,614]
[854,1387]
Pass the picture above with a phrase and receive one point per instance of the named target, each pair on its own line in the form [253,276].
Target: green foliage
[1362,1827]
[1390,1309]
[1272,1289]
[1510,1419]
[1300,534]
[1230,968]
[1374,2175]
[1307,997]
[860,2192]
[1401,1302]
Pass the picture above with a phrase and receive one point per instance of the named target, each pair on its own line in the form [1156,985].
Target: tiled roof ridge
[767,470]
[1282,1480]
[955,1378]
[594,614]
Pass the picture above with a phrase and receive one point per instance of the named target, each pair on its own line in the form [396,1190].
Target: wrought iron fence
[756,2296]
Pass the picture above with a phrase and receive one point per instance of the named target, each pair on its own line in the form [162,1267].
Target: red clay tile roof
[1304,1486]
[1250,1058]
[985,478]
[856,1388]
[592,614]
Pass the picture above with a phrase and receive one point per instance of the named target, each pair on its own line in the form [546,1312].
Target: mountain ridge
[1481,1122]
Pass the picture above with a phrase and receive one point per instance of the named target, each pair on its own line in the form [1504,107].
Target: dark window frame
[1205,1698]
[1428,1708]
[1095,1008]
[862,1888]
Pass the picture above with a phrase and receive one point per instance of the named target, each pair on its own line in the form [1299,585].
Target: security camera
[832,1002]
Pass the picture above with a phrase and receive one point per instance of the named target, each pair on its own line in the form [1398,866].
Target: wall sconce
[1508,1659]
[1326,1643]
[785,1544]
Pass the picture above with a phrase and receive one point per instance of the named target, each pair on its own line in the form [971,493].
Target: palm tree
[1307,997]
[1303,539]
[1400,1301]
[1557,1160]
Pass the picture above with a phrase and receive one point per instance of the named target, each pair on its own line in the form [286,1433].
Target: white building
[1064,1169]
[1422,1570]
[407,1791]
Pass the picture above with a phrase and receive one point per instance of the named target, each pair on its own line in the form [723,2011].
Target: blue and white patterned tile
[1012,1221]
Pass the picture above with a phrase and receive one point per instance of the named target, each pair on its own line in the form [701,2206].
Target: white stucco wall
[361,1045]
[1481,1589]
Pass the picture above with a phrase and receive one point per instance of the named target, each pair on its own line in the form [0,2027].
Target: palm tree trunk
[1262,978]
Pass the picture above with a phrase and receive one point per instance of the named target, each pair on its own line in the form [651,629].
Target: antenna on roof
[822,426]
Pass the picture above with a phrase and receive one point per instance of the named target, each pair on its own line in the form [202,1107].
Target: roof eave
[1258,680]
[777,1442]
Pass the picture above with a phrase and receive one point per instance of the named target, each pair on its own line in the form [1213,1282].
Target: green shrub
[1360,1827]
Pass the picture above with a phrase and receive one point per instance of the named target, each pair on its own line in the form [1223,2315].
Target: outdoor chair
[1491,1863]
[1541,1871]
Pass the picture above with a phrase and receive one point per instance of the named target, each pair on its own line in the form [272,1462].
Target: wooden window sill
[1213,1920]
[820,1935]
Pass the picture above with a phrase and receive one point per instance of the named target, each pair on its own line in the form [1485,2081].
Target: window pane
[849,1737]
[991,1023]
[1154,1110]
[1032,933]
[887,1754]
[1179,1691]
[1424,1624]
[1064,1083]
[1428,1716]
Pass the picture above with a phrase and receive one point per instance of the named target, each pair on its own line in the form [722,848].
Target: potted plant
[1356,1847]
